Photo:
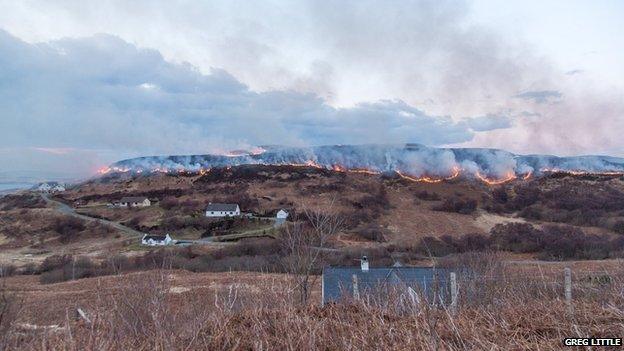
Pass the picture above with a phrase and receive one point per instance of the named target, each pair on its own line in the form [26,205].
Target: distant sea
[6,187]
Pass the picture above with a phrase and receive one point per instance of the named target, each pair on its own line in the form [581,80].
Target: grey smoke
[414,159]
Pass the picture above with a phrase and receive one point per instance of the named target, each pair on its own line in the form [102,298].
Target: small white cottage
[222,210]
[156,240]
[50,187]
[134,201]
[280,217]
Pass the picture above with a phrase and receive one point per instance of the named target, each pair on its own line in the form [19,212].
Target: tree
[304,241]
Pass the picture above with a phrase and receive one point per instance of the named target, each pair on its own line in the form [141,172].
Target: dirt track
[67,210]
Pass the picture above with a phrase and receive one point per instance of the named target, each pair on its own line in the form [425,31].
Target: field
[519,306]
[72,251]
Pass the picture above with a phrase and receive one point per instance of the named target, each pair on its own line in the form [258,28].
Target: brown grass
[502,307]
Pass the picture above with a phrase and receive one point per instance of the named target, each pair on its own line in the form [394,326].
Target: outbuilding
[380,283]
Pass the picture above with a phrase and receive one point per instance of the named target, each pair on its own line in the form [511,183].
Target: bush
[427,196]
[53,262]
[9,202]
[618,227]
[7,270]
[516,237]
[457,205]
[372,232]
[68,228]
[500,195]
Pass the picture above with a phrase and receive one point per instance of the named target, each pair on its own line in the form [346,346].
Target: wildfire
[424,179]
[433,180]
[509,177]
[580,173]
[456,173]
[527,176]
[106,170]
[364,171]
[339,168]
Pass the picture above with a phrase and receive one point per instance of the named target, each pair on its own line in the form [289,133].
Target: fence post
[356,291]
[453,277]
[568,287]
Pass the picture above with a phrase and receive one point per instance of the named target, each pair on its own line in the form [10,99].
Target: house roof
[155,237]
[338,281]
[133,199]
[222,207]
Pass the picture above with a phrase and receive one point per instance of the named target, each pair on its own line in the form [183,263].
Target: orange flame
[424,179]
[509,177]
[527,176]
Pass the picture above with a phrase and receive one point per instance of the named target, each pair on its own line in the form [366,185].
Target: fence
[466,288]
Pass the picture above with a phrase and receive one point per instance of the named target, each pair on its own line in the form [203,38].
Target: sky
[86,83]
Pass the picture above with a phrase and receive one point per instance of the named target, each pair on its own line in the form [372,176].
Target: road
[67,210]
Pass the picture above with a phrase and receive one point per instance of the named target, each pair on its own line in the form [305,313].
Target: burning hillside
[412,161]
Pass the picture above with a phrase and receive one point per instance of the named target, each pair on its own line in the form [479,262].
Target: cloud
[540,96]
[104,93]
[489,122]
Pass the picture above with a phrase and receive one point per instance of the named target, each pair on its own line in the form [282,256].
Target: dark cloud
[106,94]
[540,96]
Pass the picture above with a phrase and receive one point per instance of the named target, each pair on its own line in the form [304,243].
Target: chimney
[364,263]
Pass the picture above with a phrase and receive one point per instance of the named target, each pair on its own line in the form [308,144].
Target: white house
[50,187]
[222,210]
[58,188]
[134,201]
[280,217]
[44,187]
[156,240]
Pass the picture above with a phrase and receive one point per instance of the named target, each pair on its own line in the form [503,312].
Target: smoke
[412,159]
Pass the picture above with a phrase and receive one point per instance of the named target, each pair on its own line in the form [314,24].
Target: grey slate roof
[338,281]
[155,237]
[131,199]
[221,207]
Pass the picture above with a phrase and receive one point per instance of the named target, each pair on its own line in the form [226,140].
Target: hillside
[380,211]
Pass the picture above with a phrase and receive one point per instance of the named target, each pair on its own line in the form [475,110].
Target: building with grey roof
[344,283]
[222,210]
[134,201]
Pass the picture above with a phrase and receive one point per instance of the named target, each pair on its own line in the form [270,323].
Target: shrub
[516,237]
[372,232]
[431,246]
[53,262]
[7,270]
[618,227]
[500,195]
[68,228]
[427,196]
[455,204]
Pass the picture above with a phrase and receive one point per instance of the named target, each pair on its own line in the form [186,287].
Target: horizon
[87,84]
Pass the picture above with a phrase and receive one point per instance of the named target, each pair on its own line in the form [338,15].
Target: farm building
[134,201]
[222,210]
[376,284]
[156,240]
